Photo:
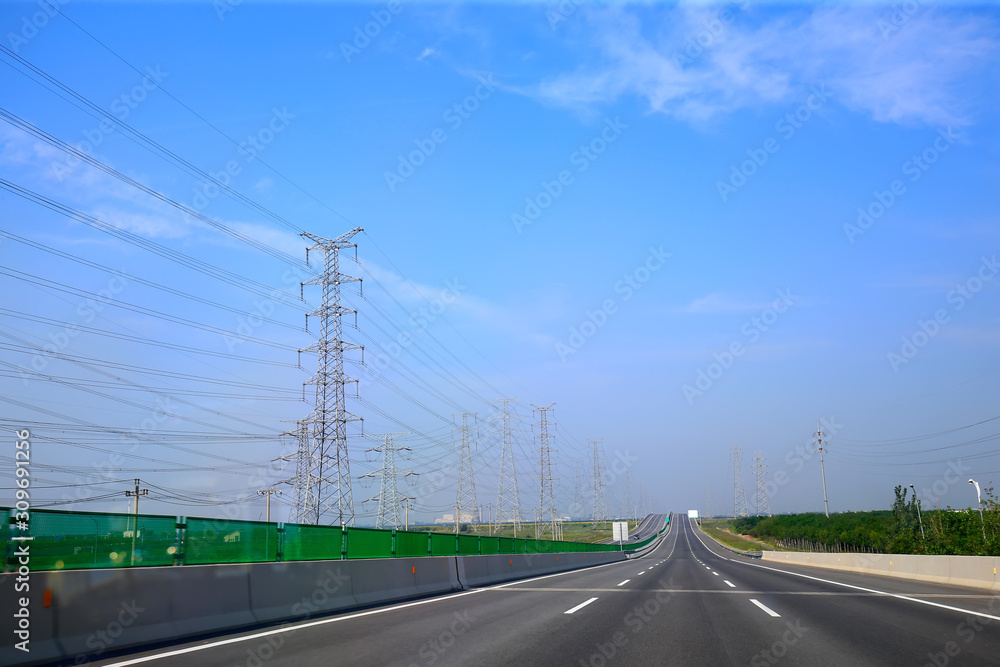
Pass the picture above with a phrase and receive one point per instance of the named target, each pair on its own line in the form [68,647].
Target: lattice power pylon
[760,473]
[630,510]
[389,498]
[466,503]
[739,493]
[322,486]
[546,495]
[508,498]
[600,504]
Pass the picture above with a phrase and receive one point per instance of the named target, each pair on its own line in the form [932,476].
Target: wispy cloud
[912,75]
[718,302]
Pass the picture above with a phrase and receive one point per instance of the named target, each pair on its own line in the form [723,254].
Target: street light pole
[919,517]
[979,499]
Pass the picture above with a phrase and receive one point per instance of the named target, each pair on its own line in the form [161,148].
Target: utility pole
[546,496]
[760,473]
[406,504]
[466,503]
[739,493]
[508,498]
[323,472]
[388,496]
[135,513]
[822,467]
[268,493]
[600,505]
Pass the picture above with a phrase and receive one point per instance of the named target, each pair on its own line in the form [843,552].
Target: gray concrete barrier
[96,611]
[967,571]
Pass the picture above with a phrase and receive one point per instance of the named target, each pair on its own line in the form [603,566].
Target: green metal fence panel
[209,541]
[468,545]
[410,544]
[369,543]
[489,546]
[506,545]
[307,542]
[77,540]
[443,544]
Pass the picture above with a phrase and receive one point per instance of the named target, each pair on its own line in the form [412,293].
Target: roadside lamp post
[919,517]
[979,499]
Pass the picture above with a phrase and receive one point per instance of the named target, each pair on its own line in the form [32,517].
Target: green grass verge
[718,528]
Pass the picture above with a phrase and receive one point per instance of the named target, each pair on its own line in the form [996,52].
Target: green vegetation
[719,529]
[954,532]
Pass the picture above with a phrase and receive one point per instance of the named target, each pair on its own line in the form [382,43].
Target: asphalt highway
[686,602]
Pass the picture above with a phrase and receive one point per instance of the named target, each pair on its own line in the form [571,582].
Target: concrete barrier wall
[95,611]
[968,571]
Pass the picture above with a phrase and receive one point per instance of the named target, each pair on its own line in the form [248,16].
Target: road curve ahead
[686,602]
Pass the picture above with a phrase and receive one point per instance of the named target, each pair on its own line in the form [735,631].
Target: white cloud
[910,75]
[720,303]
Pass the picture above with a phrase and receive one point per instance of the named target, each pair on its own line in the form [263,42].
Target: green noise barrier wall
[63,540]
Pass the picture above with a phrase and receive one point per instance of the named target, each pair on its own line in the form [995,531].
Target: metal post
[919,517]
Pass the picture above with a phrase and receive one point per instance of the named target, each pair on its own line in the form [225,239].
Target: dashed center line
[584,604]
[729,583]
[624,582]
[769,612]
[716,573]
[643,572]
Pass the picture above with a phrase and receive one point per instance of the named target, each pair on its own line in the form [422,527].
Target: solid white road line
[897,596]
[729,583]
[337,619]
[766,610]
[624,582]
[582,605]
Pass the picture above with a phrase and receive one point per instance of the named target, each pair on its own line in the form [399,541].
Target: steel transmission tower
[389,498]
[739,493]
[760,473]
[630,510]
[546,495]
[322,485]
[600,505]
[821,449]
[466,503]
[508,498]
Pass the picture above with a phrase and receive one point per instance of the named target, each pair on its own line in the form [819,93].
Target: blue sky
[688,226]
